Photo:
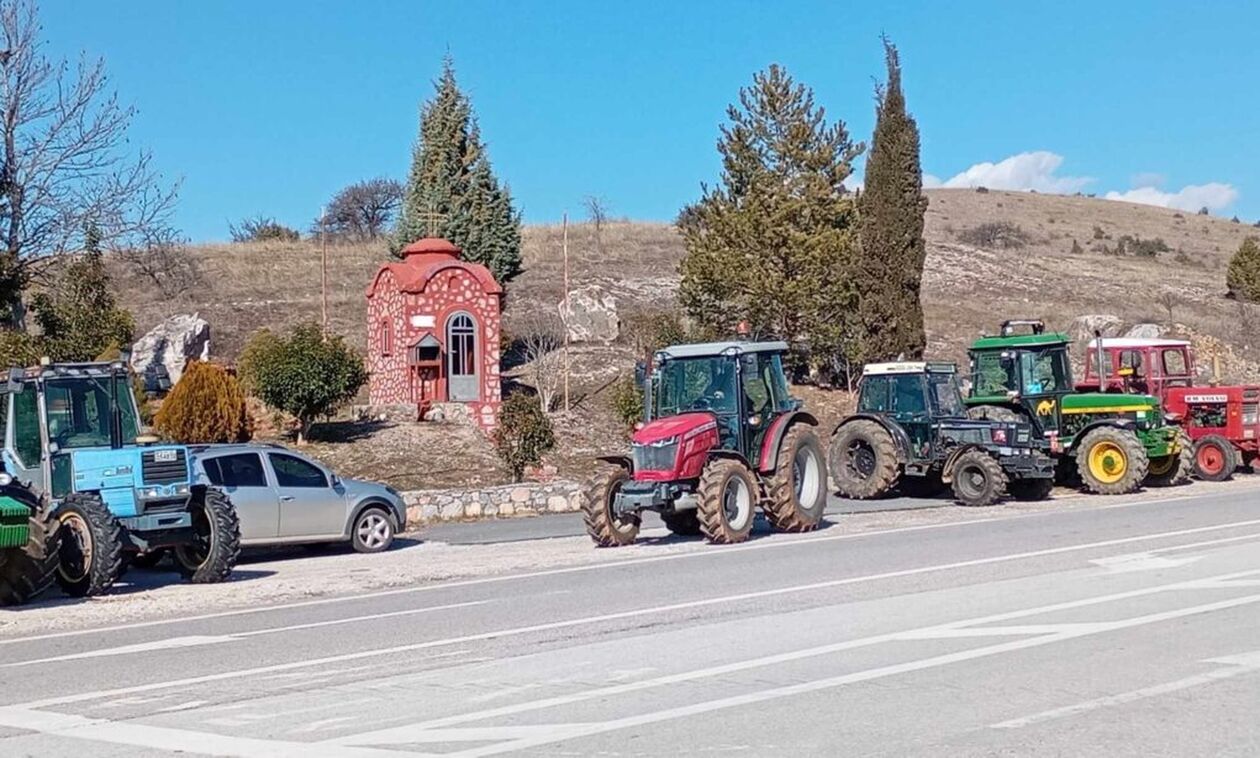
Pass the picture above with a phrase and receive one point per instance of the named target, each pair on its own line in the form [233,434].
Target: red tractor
[721,437]
[1223,421]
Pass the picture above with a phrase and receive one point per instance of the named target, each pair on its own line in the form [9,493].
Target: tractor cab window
[991,375]
[874,395]
[765,387]
[946,398]
[1045,372]
[26,442]
[696,384]
[1132,360]
[907,395]
[1174,361]
[79,413]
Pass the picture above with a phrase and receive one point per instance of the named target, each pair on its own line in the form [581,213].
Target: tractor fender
[900,439]
[947,471]
[774,437]
[730,455]
[624,461]
[1112,422]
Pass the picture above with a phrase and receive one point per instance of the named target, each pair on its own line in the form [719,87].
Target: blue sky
[270,107]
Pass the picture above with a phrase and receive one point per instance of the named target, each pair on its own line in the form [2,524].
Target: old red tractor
[1223,421]
[721,437]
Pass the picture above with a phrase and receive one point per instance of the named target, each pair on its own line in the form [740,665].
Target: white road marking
[190,705]
[403,734]
[638,612]
[565,732]
[174,643]
[1235,665]
[1121,564]
[706,552]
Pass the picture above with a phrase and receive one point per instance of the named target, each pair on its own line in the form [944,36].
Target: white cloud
[1192,197]
[931,181]
[1026,171]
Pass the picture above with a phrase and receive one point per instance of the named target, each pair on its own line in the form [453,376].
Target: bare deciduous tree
[597,214]
[163,261]
[66,163]
[363,211]
[540,342]
[1169,300]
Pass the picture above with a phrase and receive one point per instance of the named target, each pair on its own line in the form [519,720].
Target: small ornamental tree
[207,405]
[302,374]
[1243,275]
[523,435]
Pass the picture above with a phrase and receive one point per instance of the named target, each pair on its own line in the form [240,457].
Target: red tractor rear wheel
[1214,458]
[797,489]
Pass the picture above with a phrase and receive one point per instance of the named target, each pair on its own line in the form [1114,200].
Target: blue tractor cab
[73,435]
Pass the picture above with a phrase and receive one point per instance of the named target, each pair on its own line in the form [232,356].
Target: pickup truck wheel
[373,531]
[212,553]
[978,479]
[90,551]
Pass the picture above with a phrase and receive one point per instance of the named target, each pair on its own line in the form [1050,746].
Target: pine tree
[890,209]
[1243,275]
[452,191]
[774,242]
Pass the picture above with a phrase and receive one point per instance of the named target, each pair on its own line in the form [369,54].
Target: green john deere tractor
[28,544]
[1113,443]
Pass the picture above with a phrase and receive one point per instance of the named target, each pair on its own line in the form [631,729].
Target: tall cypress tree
[890,210]
[452,191]
[773,243]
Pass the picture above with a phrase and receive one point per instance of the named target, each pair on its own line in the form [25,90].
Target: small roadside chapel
[433,332]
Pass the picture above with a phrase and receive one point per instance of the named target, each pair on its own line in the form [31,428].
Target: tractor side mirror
[15,381]
[754,420]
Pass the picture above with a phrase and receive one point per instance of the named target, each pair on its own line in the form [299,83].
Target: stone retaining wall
[526,499]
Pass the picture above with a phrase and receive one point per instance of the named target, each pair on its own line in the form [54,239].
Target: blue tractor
[73,436]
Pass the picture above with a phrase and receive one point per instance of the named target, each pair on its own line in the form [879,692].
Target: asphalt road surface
[1110,630]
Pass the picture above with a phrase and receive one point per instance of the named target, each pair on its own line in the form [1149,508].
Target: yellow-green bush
[206,405]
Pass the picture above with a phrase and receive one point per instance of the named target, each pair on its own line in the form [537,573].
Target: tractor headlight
[149,493]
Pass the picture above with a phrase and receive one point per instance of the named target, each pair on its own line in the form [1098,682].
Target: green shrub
[303,374]
[626,400]
[649,332]
[1243,275]
[523,435]
[207,405]
[997,234]
[262,229]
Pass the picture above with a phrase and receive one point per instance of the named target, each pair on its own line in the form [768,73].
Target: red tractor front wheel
[606,528]
[1214,458]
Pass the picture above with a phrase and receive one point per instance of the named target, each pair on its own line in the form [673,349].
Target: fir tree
[891,208]
[452,191]
[1243,275]
[773,243]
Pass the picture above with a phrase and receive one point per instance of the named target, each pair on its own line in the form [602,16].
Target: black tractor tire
[211,557]
[1029,490]
[863,461]
[605,529]
[27,572]
[726,501]
[149,560]
[796,492]
[1172,470]
[978,479]
[1128,463]
[995,413]
[1215,458]
[90,555]
[682,523]
[921,487]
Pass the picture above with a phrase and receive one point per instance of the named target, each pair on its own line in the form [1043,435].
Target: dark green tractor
[28,544]
[1111,443]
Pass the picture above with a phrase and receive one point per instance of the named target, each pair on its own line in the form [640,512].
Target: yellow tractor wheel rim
[1107,462]
[1161,466]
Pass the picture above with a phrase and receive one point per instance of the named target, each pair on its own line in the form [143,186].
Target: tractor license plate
[165,456]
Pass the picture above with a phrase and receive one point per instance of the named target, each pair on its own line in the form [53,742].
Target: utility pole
[323,265]
[565,245]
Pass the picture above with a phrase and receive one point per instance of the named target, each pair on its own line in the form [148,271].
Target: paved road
[1110,630]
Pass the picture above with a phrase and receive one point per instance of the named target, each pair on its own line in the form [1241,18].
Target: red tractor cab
[721,437]
[1223,421]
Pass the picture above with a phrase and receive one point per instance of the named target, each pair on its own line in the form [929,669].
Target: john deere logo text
[1045,407]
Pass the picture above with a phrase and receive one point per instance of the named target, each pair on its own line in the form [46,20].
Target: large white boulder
[1082,328]
[591,315]
[1146,331]
[172,344]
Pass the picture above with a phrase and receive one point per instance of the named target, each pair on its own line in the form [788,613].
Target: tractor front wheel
[606,528]
[798,487]
[1214,458]
[863,460]
[1028,490]
[211,555]
[1111,461]
[682,523]
[1171,470]
[978,479]
[90,554]
[726,501]
[27,572]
